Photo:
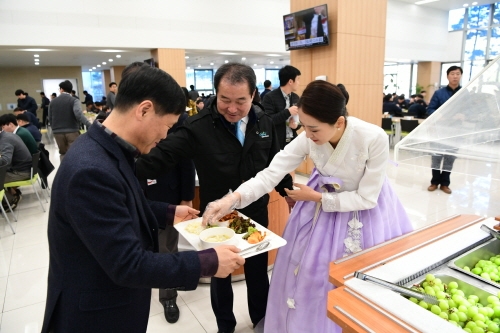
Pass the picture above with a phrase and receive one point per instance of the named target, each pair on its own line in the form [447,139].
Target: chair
[407,126]
[388,127]
[34,179]
[3,171]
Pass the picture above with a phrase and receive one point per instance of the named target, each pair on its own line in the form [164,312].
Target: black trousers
[442,177]
[167,243]
[257,280]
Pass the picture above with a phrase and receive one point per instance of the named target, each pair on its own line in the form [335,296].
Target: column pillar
[355,56]
[429,76]
[107,80]
[173,62]
[116,74]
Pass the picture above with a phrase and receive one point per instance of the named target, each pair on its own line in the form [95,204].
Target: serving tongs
[429,299]
[255,248]
[492,232]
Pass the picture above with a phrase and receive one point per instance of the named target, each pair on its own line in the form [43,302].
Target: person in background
[53,95]
[267,88]
[442,164]
[8,123]
[190,104]
[23,121]
[348,205]
[256,96]
[110,99]
[90,107]
[230,140]
[33,119]
[26,102]
[420,97]
[65,115]
[200,105]
[103,114]
[418,109]
[401,102]
[193,94]
[175,187]
[88,98]
[73,93]
[45,108]
[281,105]
[103,261]
[389,106]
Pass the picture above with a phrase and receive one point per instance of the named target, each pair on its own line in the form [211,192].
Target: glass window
[397,78]
[478,16]
[494,43]
[496,14]
[260,73]
[272,75]
[475,44]
[189,77]
[204,80]
[456,19]
[414,78]
[471,69]
[93,83]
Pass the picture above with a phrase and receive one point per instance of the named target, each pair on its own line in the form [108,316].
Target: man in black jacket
[281,105]
[230,141]
[88,98]
[26,102]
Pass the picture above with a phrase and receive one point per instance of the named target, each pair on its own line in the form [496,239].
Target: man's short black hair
[85,92]
[420,96]
[235,73]
[19,92]
[198,101]
[142,83]
[53,94]
[8,118]
[454,68]
[23,117]
[42,93]
[66,86]
[111,83]
[73,92]
[18,109]
[192,87]
[287,73]
[267,84]
[89,103]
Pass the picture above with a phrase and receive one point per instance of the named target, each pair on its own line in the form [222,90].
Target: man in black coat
[45,108]
[88,98]
[102,252]
[26,102]
[230,141]
[281,105]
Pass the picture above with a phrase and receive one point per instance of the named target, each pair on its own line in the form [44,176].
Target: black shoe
[227,331]
[171,311]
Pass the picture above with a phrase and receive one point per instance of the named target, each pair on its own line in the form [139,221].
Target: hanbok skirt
[299,283]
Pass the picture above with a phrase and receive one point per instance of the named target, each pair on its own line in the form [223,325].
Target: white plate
[275,240]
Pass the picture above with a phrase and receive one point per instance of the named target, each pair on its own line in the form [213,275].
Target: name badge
[151,182]
[263,135]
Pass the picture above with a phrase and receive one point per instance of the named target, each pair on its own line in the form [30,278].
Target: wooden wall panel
[173,62]
[107,80]
[360,17]
[116,73]
[429,72]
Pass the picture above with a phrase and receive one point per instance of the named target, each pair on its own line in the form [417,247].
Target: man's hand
[294,110]
[304,194]
[292,123]
[229,260]
[218,208]
[184,213]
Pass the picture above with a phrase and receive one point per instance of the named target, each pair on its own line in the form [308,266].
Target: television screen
[307,28]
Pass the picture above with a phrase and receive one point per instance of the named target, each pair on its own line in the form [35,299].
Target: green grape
[486,276]
[452,303]
[477,270]
[496,261]
[484,311]
[493,327]
[479,317]
[423,304]
[494,276]
[472,311]
[435,309]
[467,330]
[471,325]
[462,308]
[467,268]
[481,263]
[438,281]
[472,301]
[474,297]
[496,310]
[437,288]
[414,300]
[477,330]
[443,315]
[443,305]
[480,323]
[454,317]
[462,316]
[453,284]
[466,303]
[461,324]
[441,295]
[492,299]
[460,292]
[429,277]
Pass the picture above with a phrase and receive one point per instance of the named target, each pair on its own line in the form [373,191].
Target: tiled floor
[24,256]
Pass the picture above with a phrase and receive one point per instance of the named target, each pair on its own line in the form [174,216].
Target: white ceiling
[450,4]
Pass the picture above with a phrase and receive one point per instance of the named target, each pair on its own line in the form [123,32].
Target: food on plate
[241,225]
[195,228]
[229,216]
[217,238]
[254,236]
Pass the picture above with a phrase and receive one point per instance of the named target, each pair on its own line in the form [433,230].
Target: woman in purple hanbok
[348,205]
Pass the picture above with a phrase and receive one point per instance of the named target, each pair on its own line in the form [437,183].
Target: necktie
[239,133]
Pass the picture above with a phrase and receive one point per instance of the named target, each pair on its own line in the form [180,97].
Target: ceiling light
[466,5]
[104,62]
[474,3]
[98,65]
[90,69]
[228,53]
[188,67]
[271,62]
[243,58]
[276,67]
[35,50]
[36,64]
[226,61]
[110,51]
[255,64]
[187,57]
[118,56]
[424,1]
[272,55]
[93,67]
[211,64]
[199,66]
[36,55]
[110,60]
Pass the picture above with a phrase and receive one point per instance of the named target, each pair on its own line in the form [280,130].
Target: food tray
[275,240]
[483,252]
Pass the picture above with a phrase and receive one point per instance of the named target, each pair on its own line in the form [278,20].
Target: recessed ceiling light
[35,50]
[272,55]
[36,64]
[466,5]
[211,64]
[228,53]
[188,67]
[226,61]
[243,58]
[276,67]
[118,56]
[199,66]
[104,62]
[98,65]
[110,51]
[110,60]
[187,57]
[424,1]
[36,55]
[474,3]
[255,64]
[271,62]
[93,67]
[90,69]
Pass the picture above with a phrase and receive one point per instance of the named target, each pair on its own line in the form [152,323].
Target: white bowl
[205,244]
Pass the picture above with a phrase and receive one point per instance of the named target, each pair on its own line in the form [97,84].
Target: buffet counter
[361,306]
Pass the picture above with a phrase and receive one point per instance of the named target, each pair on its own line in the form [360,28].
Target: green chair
[33,179]
[3,171]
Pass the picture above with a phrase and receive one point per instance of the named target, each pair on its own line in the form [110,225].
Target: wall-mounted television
[306,28]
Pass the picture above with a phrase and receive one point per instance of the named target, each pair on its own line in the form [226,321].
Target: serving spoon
[257,247]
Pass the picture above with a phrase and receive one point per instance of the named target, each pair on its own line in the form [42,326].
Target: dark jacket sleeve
[435,103]
[186,166]
[32,106]
[273,109]
[287,181]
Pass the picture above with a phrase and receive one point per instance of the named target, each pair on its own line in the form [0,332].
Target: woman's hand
[184,213]
[305,193]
